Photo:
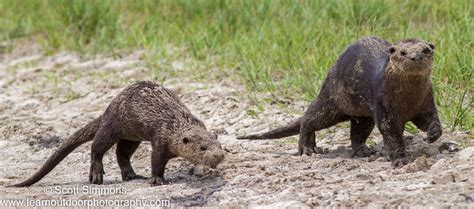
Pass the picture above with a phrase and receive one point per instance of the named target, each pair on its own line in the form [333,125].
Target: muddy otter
[144,111]
[373,82]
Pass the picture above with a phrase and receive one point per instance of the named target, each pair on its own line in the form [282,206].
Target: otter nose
[415,57]
[219,155]
[217,159]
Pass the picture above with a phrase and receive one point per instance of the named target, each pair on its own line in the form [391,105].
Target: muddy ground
[45,98]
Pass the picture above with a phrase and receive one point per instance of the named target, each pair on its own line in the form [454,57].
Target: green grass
[279,46]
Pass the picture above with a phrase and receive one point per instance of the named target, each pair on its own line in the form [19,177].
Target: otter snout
[416,56]
[212,158]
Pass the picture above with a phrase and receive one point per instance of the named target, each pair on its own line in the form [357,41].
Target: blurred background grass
[280,46]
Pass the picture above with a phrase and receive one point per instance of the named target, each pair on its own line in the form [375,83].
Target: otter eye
[185,140]
[203,148]
[403,53]
[426,51]
[391,50]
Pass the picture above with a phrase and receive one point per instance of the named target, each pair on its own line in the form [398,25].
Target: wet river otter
[144,111]
[372,83]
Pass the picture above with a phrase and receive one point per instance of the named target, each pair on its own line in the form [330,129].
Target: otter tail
[289,130]
[81,136]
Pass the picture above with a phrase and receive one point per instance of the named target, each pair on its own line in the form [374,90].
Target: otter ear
[391,50]
[186,140]
[432,46]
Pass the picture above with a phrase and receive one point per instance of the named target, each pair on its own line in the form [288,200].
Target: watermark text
[94,202]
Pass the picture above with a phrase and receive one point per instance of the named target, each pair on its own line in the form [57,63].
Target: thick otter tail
[289,130]
[81,136]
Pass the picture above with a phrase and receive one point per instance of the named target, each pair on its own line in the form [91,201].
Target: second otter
[372,83]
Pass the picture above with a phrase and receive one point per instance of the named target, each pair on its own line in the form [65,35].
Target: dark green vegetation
[284,47]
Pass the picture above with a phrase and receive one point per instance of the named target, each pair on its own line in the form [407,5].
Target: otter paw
[132,176]
[434,133]
[96,177]
[309,150]
[431,138]
[157,181]
[363,151]
[374,156]
[398,163]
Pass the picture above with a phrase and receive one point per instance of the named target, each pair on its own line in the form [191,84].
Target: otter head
[199,147]
[412,56]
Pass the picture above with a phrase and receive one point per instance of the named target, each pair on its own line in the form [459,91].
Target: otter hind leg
[104,139]
[361,127]
[321,114]
[124,151]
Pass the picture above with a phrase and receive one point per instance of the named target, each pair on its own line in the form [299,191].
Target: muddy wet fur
[372,83]
[144,111]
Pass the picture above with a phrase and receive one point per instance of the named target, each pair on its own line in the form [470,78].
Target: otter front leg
[321,114]
[104,139]
[429,122]
[392,132]
[124,151]
[361,127]
[159,159]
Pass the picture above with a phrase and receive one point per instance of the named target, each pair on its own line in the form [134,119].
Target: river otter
[144,111]
[373,82]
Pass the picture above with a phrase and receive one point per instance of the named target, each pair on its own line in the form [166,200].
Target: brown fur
[372,83]
[144,111]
